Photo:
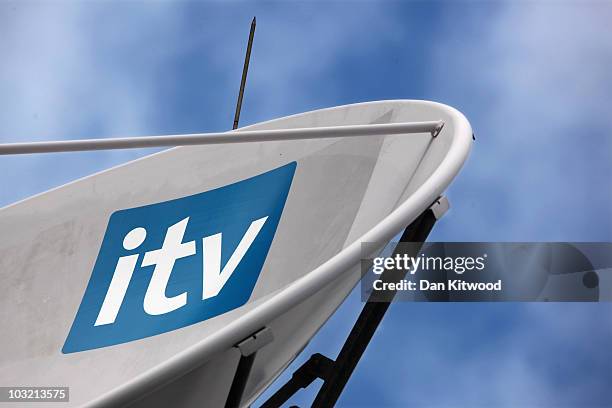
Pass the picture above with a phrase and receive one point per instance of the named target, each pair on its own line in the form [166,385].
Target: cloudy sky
[533,77]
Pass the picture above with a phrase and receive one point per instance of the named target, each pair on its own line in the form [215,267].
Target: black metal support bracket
[317,366]
[248,350]
[335,374]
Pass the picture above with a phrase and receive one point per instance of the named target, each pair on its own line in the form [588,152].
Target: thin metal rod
[241,136]
[245,70]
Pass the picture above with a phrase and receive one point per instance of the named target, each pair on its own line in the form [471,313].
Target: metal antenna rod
[245,70]
[240,136]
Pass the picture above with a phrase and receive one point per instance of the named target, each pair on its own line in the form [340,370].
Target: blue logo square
[176,263]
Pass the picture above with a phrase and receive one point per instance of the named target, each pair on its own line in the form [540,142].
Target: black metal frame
[335,374]
[240,380]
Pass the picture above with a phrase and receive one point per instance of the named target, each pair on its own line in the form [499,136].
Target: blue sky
[534,79]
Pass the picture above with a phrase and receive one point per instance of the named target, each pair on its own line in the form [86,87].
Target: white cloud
[534,79]
[62,77]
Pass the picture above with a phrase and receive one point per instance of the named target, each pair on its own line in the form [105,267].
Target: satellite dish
[144,283]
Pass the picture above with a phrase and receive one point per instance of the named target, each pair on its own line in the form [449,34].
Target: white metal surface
[344,192]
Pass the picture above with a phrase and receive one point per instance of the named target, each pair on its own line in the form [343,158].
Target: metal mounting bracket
[248,349]
[255,341]
[440,207]
[436,131]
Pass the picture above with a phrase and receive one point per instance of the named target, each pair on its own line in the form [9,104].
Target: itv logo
[172,264]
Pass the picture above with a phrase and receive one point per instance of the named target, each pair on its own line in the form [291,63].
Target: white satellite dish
[135,285]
